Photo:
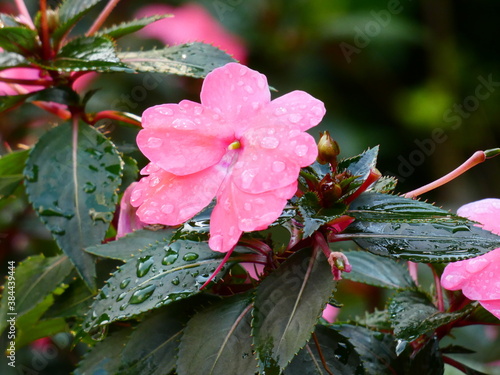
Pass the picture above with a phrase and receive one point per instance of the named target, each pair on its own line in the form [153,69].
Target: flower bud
[328,150]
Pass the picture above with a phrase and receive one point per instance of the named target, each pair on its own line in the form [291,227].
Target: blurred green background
[419,78]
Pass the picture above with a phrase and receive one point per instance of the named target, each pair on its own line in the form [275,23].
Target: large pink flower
[191,23]
[479,278]
[237,145]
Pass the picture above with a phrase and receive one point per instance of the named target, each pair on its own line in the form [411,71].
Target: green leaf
[192,60]
[70,13]
[428,360]
[130,172]
[88,53]
[384,185]
[10,101]
[376,349]
[129,27]
[131,244]
[105,356]
[62,94]
[334,350]
[288,304]
[158,275]
[413,314]
[409,229]
[360,165]
[11,171]
[378,271]
[21,40]
[226,347]
[71,179]
[75,301]
[313,216]
[11,59]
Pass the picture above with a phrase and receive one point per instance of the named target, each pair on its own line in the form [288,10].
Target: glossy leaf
[428,360]
[21,40]
[313,216]
[11,171]
[129,27]
[378,271]
[11,59]
[70,12]
[377,350]
[288,304]
[88,54]
[360,165]
[73,302]
[413,314]
[71,179]
[126,247]
[158,275]
[192,60]
[413,230]
[337,353]
[384,185]
[226,347]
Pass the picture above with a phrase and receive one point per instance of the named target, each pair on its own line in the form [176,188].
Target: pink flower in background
[191,23]
[479,278]
[20,73]
[128,220]
[237,145]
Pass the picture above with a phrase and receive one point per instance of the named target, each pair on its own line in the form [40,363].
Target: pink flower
[191,23]
[479,278]
[128,220]
[237,145]
[330,313]
[20,73]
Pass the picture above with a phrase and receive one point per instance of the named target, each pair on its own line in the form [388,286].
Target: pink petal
[183,138]
[165,198]
[224,231]
[20,73]
[479,278]
[128,220]
[191,23]
[237,93]
[254,269]
[258,211]
[485,211]
[330,313]
[272,157]
[297,109]
[492,306]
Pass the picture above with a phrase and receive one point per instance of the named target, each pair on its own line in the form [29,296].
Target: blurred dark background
[419,78]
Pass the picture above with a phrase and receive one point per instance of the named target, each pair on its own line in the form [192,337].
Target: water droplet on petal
[453,281]
[294,118]
[243,71]
[293,133]
[136,195]
[155,180]
[166,111]
[261,83]
[301,150]
[278,166]
[167,208]
[477,264]
[141,295]
[280,111]
[269,142]
[240,83]
[198,110]
[255,105]
[247,206]
[154,142]
[247,178]
[185,124]
[249,89]
[317,111]
[216,242]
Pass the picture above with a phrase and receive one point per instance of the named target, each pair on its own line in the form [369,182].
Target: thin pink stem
[23,11]
[102,17]
[413,270]
[224,261]
[477,158]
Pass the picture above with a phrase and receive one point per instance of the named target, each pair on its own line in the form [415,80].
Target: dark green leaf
[192,60]
[20,40]
[10,101]
[160,274]
[70,12]
[377,320]
[105,357]
[360,165]
[334,349]
[35,279]
[129,27]
[11,59]
[384,185]
[130,172]
[376,349]
[63,95]
[409,229]
[313,216]
[88,53]
[226,347]
[71,178]
[413,314]
[378,271]
[75,301]
[428,360]
[11,171]
[131,244]
[288,305]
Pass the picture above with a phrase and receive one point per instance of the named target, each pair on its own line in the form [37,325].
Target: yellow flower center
[234,146]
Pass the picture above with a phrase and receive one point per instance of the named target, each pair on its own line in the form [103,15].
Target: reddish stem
[439,290]
[372,177]
[115,115]
[23,11]
[477,158]
[46,50]
[102,17]
[224,261]
[27,82]
[54,108]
